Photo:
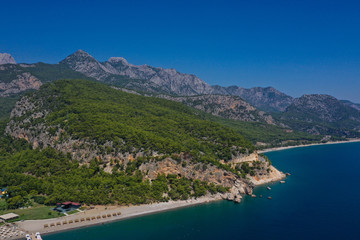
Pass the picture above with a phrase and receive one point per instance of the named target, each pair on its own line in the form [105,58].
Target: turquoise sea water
[320,200]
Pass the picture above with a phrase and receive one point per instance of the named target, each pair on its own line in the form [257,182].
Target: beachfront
[104,214]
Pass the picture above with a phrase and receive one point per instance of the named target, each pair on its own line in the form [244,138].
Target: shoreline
[127,212]
[306,145]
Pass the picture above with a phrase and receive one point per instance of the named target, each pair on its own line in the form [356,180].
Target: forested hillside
[121,133]
[91,111]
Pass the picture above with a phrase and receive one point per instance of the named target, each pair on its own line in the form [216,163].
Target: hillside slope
[123,138]
[323,114]
[72,111]
[230,107]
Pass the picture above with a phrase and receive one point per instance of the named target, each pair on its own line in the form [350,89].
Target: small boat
[270,198]
[253,195]
[269,188]
[261,196]
[282,181]
[38,236]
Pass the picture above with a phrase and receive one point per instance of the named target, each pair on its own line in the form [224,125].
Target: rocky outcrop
[204,172]
[231,107]
[20,83]
[6,58]
[271,176]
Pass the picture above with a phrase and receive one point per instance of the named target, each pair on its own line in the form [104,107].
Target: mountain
[83,62]
[323,114]
[226,102]
[92,111]
[151,149]
[268,99]
[6,58]
[230,107]
[169,81]
[162,80]
[117,71]
[351,104]
[18,78]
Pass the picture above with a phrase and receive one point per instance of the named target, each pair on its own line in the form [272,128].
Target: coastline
[306,145]
[31,226]
[127,212]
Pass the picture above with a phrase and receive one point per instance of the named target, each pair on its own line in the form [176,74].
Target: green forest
[96,112]
[47,177]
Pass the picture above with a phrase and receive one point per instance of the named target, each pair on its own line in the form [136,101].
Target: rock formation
[6,58]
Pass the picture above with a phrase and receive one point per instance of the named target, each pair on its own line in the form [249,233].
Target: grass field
[33,213]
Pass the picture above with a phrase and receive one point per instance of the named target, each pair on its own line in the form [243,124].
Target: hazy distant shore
[306,145]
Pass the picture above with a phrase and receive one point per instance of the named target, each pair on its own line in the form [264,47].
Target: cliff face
[16,82]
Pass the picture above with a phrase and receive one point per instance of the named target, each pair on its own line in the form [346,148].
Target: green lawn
[72,212]
[33,213]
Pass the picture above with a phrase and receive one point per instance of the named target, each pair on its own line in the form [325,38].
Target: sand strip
[306,145]
[105,214]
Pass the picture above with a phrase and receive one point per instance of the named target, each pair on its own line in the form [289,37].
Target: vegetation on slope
[55,177]
[96,112]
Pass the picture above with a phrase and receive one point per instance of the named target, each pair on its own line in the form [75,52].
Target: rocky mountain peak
[6,58]
[79,55]
[83,62]
[116,60]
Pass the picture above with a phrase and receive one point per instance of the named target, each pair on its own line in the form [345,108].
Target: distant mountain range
[313,114]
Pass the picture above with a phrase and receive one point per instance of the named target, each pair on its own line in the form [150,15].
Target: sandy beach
[306,145]
[104,214]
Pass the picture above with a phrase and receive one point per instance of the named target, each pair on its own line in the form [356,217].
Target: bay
[320,200]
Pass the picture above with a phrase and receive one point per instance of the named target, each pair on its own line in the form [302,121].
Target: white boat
[38,236]
[269,188]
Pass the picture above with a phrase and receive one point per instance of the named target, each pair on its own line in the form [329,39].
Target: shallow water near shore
[320,200]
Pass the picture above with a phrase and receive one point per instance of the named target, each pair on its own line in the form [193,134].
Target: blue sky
[297,47]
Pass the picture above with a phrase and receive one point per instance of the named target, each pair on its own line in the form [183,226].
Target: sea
[320,200]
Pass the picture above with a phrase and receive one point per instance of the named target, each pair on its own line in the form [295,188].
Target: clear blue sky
[297,47]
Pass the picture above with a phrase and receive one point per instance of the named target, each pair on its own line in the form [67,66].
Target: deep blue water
[320,200]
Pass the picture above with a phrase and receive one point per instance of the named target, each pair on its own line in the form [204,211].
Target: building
[67,206]
[8,216]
